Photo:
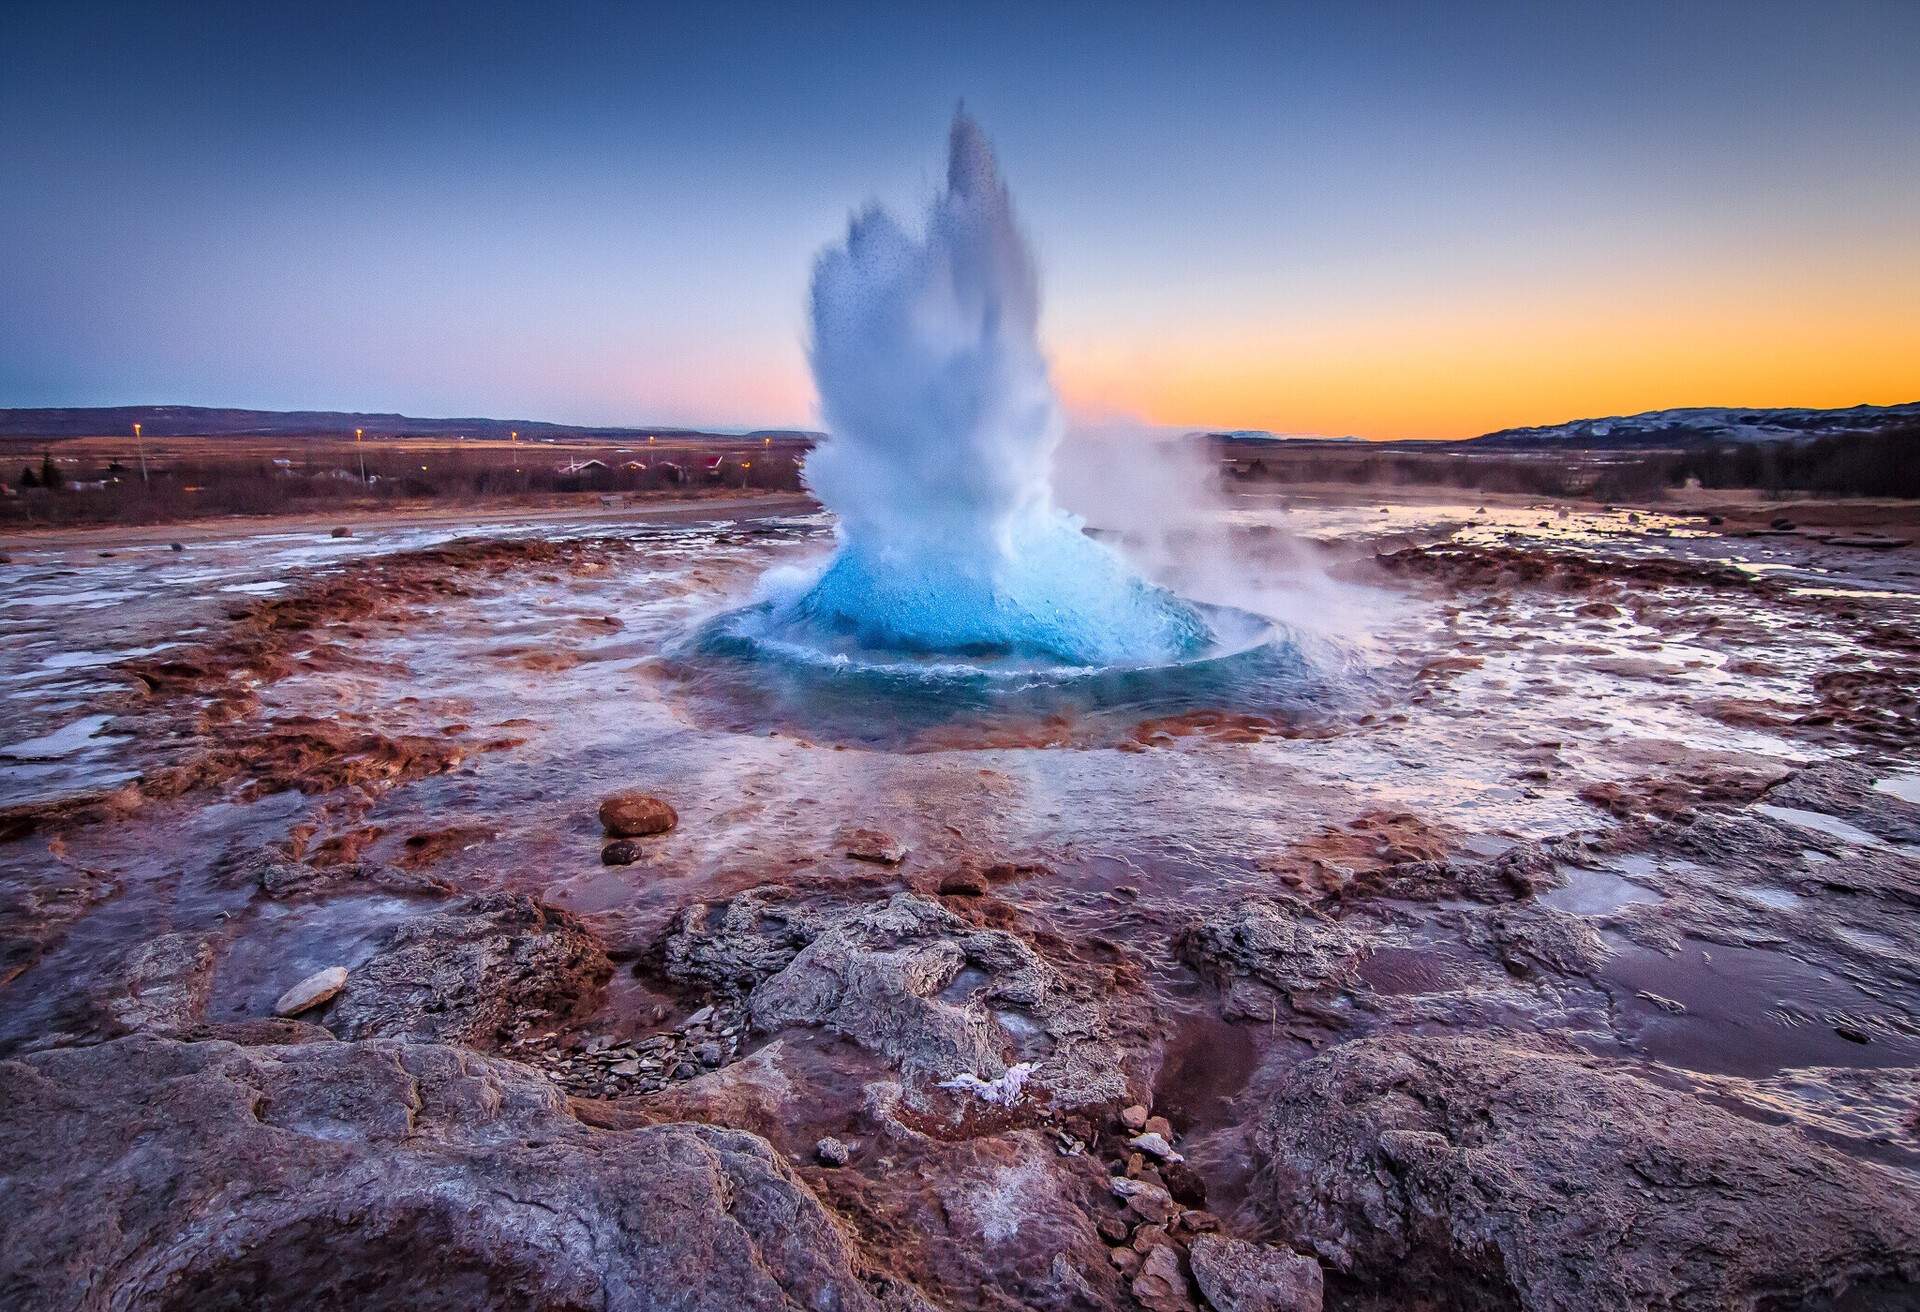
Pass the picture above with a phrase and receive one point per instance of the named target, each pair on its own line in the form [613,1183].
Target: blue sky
[1386,219]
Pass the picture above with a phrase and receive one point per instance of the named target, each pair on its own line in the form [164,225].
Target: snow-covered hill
[1708,424]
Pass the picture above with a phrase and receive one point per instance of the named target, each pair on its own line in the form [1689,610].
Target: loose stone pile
[600,1066]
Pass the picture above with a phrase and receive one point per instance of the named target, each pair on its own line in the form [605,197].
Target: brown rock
[873,845]
[1149,1237]
[1161,1285]
[620,852]
[636,815]
[1149,1202]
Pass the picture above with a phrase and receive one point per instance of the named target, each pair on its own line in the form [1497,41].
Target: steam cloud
[944,423]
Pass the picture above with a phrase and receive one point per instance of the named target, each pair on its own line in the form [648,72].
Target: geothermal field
[1018,874]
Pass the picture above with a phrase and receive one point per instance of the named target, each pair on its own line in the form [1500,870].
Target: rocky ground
[415,928]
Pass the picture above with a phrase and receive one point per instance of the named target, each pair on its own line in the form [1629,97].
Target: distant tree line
[195,488]
[1882,464]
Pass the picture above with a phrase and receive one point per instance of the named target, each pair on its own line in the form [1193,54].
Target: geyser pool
[954,569]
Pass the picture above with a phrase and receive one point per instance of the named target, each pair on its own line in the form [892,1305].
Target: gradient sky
[1384,219]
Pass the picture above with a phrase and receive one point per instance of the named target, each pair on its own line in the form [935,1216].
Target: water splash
[944,423]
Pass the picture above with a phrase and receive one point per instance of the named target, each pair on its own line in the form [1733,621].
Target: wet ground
[1497,820]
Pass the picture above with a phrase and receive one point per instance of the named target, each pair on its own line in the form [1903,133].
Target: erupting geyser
[943,426]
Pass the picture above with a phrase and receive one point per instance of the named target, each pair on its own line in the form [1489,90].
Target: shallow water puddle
[1749,1011]
[1819,821]
[1590,891]
[64,741]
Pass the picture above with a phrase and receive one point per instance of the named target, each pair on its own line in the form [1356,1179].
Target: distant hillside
[203,421]
[1702,426]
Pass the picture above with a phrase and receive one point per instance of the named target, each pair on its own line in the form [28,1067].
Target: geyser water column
[942,426]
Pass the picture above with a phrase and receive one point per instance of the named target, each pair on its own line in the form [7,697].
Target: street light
[361,453]
[143,454]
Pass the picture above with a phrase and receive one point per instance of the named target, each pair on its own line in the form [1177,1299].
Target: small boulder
[875,845]
[319,987]
[1237,1276]
[963,883]
[1134,1117]
[342,532]
[636,815]
[620,852]
[832,1152]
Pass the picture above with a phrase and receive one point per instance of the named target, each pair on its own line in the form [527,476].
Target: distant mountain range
[1706,425]
[1694,426]
[203,421]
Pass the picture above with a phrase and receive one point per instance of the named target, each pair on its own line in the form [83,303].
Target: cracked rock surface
[177,1176]
[1493,1173]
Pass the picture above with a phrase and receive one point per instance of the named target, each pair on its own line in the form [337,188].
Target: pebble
[832,1152]
[1134,1118]
[620,852]
[319,987]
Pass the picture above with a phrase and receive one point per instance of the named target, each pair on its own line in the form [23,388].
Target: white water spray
[943,425]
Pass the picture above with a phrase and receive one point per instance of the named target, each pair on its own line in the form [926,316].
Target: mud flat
[1568,961]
